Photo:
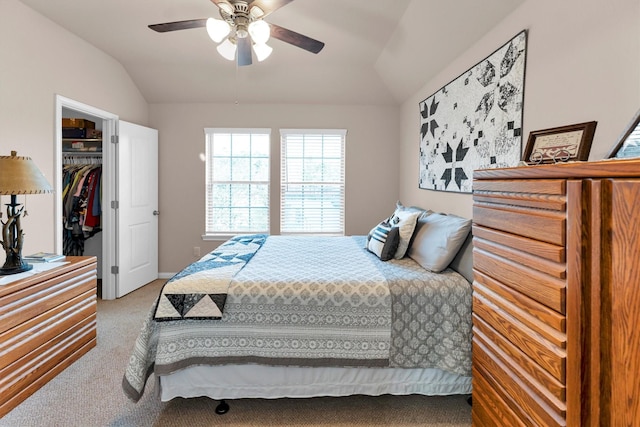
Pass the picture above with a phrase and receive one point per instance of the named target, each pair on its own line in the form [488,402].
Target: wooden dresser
[47,321]
[557,295]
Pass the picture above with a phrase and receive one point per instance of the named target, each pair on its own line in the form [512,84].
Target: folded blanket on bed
[200,290]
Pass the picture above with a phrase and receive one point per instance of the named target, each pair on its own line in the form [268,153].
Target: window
[237,174]
[312,183]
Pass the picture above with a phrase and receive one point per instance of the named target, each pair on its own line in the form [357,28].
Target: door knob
[156,213]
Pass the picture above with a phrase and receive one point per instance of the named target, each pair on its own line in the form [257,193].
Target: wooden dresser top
[73,263]
[613,168]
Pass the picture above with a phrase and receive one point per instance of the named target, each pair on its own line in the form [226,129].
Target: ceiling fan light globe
[241,33]
[262,51]
[259,31]
[217,29]
[227,50]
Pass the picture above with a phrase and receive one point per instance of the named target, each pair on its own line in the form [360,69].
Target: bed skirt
[272,382]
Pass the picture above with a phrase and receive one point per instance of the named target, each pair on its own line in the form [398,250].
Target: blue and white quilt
[200,290]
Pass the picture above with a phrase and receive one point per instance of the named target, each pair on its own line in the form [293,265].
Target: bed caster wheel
[222,408]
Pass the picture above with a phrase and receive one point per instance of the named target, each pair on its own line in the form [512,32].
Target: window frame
[284,134]
[210,132]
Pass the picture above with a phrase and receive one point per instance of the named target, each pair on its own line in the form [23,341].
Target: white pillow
[437,240]
[405,220]
[423,212]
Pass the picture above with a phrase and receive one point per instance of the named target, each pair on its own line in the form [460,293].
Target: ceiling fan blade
[296,39]
[244,51]
[179,25]
[269,6]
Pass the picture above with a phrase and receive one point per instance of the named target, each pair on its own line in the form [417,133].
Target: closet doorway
[127,154]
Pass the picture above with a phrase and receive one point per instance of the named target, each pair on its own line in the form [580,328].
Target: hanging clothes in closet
[81,183]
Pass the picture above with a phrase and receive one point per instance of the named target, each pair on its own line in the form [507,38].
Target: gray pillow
[463,261]
[438,238]
[383,240]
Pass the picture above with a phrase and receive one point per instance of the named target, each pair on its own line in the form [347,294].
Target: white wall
[583,64]
[39,59]
[371,164]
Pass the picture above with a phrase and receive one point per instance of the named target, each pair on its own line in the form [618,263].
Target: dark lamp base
[5,271]
[12,243]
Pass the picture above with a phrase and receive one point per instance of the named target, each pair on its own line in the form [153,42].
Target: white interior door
[137,210]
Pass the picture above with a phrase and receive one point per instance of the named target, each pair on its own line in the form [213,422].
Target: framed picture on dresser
[560,144]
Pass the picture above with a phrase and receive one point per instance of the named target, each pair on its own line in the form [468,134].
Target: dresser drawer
[499,378]
[543,225]
[529,208]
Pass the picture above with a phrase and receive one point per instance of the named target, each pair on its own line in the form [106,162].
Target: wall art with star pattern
[475,121]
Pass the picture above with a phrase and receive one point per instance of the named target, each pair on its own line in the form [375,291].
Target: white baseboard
[166,275]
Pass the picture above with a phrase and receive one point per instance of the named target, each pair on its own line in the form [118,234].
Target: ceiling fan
[242,29]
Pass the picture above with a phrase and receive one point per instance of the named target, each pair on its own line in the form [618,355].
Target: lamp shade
[20,175]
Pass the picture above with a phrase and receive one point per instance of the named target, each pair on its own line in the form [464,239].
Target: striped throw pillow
[383,240]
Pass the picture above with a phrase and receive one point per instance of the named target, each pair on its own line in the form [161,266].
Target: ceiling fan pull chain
[235,86]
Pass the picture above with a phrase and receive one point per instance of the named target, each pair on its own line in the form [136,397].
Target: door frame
[109,187]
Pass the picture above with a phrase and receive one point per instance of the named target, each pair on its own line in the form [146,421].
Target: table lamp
[18,175]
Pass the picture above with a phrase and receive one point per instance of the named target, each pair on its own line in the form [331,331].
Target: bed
[285,316]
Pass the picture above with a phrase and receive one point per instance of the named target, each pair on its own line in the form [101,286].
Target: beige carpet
[89,393]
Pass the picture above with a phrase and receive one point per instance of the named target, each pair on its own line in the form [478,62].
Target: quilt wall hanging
[475,121]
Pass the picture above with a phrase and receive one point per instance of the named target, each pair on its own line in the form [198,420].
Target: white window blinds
[312,181]
[237,180]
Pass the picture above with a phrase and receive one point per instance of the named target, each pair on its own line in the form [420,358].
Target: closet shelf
[83,146]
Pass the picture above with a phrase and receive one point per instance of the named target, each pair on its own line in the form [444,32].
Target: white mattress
[272,382]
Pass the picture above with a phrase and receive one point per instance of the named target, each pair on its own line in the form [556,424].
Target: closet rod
[85,158]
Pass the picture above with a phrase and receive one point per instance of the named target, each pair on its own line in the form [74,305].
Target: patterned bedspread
[318,301]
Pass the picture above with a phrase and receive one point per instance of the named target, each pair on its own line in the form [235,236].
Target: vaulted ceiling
[376,51]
